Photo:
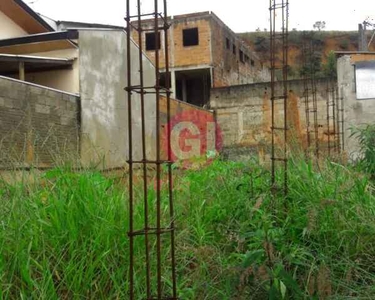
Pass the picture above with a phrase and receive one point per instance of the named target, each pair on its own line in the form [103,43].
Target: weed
[64,235]
[366,139]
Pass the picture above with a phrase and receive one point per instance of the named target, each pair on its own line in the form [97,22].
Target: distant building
[356,83]
[17,19]
[204,54]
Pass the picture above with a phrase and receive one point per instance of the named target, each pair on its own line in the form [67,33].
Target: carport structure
[12,65]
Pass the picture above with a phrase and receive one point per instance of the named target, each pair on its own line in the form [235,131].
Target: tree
[319,25]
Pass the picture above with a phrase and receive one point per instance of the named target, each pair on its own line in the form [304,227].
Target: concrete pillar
[21,67]
[184,90]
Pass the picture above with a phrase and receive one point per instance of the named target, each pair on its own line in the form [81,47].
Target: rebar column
[310,94]
[169,151]
[159,280]
[306,93]
[332,118]
[341,113]
[279,8]
[314,109]
[328,118]
[338,128]
[130,154]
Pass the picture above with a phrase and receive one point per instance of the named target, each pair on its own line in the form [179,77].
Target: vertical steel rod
[158,166]
[130,161]
[272,56]
[306,93]
[285,79]
[284,6]
[328,119]
[314,99]
[338,131]
[342,116]
[144,154]
[333,118]
[169,152]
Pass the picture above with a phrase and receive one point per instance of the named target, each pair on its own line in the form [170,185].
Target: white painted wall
[9,29]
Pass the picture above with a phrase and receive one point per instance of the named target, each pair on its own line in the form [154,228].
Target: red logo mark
[193,134]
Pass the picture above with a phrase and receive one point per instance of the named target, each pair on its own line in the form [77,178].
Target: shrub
[344,44]
[330,68]
[366,138]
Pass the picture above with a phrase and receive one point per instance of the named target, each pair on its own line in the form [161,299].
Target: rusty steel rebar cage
[314,109]
[310,96]
[337,120]
[338,127]
[331,132]
[328,119]
[279,8]
[341,123]
[306,92]
[159,26]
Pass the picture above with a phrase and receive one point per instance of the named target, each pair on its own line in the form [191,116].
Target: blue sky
[240,15]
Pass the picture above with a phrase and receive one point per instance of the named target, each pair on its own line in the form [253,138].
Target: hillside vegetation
[325,42]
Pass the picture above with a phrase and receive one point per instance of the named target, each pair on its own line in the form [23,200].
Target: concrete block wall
[39,126]
[178,107]
[244,112]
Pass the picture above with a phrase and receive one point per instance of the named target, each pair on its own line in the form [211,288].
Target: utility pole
[362,42]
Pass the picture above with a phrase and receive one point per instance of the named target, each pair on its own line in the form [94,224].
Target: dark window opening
[234,49]
[190,37]
[193,86]
[247,58]
[242,57]
[151,41]
[253,63]
[228,43]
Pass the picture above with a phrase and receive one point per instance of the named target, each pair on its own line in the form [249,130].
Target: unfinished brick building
[204,54]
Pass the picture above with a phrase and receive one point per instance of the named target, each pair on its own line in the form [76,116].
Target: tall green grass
[65,236]
[365,136]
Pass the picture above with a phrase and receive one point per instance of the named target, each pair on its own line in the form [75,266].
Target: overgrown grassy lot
[65,235]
